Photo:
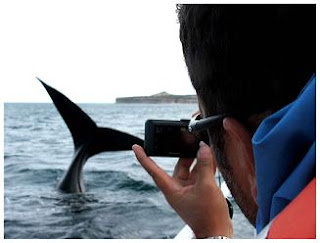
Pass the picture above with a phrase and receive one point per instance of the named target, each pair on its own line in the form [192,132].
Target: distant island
[162,97]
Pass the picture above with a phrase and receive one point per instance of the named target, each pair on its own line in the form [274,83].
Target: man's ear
[240,154]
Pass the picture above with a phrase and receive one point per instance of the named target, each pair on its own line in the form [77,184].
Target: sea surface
[121,200]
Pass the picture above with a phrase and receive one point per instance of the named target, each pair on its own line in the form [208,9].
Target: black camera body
[170,138]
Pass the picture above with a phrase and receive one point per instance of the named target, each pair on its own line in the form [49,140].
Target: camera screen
[175,141]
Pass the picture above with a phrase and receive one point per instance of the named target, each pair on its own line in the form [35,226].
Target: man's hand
[194,194]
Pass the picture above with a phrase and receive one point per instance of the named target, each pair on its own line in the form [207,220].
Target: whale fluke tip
[39,80]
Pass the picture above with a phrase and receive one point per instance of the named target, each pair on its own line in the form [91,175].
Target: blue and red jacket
[285,163]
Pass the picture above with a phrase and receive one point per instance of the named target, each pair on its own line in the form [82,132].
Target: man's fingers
[182,169]
[160,177]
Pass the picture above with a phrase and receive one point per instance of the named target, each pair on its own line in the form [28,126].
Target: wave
[118,180]
[43,172]
[9,156]
[26,177]
[109,180]
[16,127]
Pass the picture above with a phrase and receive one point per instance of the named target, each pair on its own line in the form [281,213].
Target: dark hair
[248,59]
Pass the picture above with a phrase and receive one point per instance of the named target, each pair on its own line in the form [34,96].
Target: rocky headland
[159,98]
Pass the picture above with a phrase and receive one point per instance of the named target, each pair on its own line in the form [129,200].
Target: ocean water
[121,200]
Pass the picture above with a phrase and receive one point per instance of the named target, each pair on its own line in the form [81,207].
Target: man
[251,62]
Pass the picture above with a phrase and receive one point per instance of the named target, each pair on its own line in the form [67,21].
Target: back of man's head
[248,59]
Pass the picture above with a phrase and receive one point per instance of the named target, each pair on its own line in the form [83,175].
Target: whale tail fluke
[87,137]
[79,123]
[107,139]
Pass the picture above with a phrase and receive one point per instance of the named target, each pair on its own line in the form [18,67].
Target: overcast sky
[92,51]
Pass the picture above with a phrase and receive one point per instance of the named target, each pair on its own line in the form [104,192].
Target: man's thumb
[205,164]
